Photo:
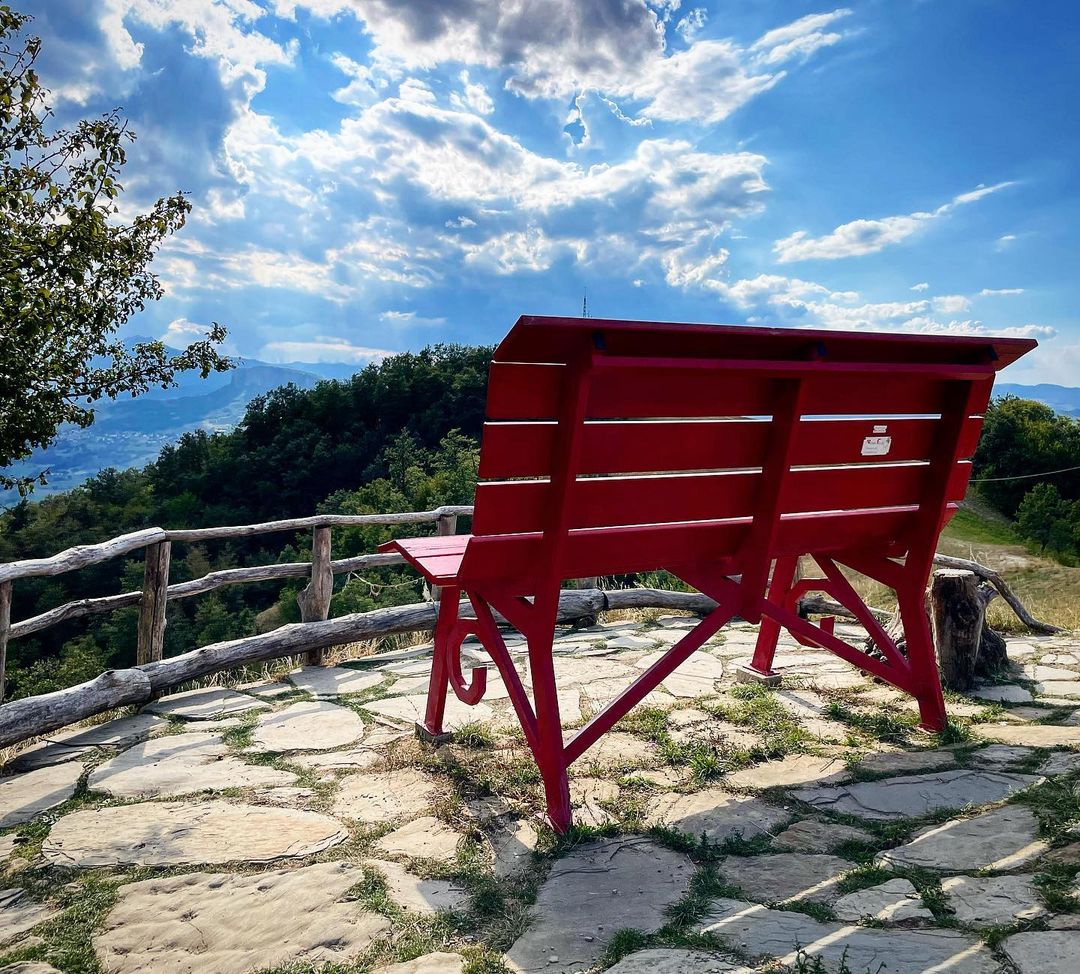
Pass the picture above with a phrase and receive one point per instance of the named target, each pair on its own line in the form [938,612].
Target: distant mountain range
[1062,399]
[131,432]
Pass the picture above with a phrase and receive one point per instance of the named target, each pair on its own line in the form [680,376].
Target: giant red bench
[720,454]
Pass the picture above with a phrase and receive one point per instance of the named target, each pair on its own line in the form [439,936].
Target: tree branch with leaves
[72,270]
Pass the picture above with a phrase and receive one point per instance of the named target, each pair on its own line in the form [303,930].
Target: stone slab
[1030,735]
[1000,755]
[231,924]
[25,796]
[1000,840]
[812,836]
[182,833]
[906,762]
[666,960]
[1003,693]
[780,934]
[695,677]
[266,689]
[596,890]
[621,750]
[1046,952]
[207,704]
[81,742]
[410,892]
[512,846]
[8,844]
[180,764]
[795,769]
[437,963]
[717,814]
[325,682]
[354,759]
[384,796]
[19,913]
[987,901]
[311,725]
[794,876]
[891,902]
[1051,674]
[1060,762]
[410,710]
[29,967]
[423,838]
[587,795]
[914,796]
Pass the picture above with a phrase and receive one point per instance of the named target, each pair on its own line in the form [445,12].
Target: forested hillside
[400,435]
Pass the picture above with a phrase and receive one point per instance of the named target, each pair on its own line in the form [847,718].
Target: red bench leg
[549,752]
[432,727]
[926,682]
[769,631]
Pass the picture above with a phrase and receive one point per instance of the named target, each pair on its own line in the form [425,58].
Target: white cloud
[180,332]
[474,96]
[518,251]
[988,292]
[415,90]
[1057,364]
[222,32]
[951,304]
[861,237]
[187,266]
[923,286]
[688,27]
[323,348]
[799,38]
[559,48]
[409,318]
[365,83]
[1004,240]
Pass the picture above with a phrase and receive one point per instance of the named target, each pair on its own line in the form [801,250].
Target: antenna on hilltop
[585,303]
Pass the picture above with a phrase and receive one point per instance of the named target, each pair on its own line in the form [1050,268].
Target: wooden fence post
[314,600]
[445,525]
[5,628]
[155,594]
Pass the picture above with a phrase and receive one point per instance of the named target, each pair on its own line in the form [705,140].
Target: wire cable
[1023,476]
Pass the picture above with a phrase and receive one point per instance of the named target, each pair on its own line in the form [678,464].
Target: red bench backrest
[645,445]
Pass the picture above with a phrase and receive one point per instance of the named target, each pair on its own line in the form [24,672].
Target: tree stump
[989,653]
[957,614]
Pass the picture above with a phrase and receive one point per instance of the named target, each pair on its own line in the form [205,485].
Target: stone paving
[297,824]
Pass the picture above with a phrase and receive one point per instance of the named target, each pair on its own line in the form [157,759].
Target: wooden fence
[152,675]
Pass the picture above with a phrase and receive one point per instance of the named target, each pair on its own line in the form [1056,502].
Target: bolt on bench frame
[707,451]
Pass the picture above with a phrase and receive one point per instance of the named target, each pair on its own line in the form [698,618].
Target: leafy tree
[72,270]
[1039,515]
[1020,438]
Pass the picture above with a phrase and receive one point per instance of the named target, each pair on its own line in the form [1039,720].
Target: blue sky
[376,175]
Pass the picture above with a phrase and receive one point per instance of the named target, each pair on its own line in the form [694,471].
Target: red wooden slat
[518,391]
[508,563]
[524,449]
[520,506]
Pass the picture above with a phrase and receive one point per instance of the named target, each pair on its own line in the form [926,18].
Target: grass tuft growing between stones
[891,727]
[1056,803]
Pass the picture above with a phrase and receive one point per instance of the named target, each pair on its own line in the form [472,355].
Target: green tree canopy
[71,270]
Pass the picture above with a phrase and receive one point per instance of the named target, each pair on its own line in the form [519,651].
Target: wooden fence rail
[312,636]
[156,590]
